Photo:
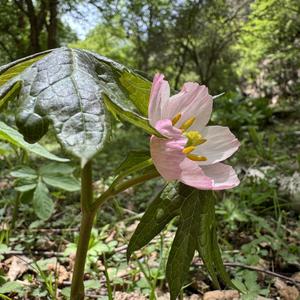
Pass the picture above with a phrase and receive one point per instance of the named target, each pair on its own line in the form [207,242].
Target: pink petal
[160,93]
[220,144]
[167,153]
[223,176]
[193,175]
[192,101]
[166,128]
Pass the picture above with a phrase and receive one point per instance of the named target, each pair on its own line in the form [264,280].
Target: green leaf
[13,137]
[15,68]
[11,286]
[130,116]
[196,231]
[56,168]
[134,162]
[159,213]
[133,158]
[207,245]
[184,244]
[66,89]
[42,203]
[69,183]
[138,90]
[25,188]
[9,93]
[24,172]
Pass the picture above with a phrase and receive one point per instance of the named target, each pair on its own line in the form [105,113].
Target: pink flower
[191,151]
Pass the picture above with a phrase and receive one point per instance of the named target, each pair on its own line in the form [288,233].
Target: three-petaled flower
[191,151]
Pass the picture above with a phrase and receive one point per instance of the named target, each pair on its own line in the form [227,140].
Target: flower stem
[114,190]
[77,287]
[89,209]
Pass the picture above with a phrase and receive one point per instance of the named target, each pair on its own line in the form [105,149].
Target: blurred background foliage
[229,45]
[250,51]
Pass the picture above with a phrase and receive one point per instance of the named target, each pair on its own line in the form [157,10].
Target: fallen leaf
[18,266]
[61,273]
[285,291]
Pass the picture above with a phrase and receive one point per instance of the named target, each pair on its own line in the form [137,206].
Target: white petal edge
[220,144]
[223,176]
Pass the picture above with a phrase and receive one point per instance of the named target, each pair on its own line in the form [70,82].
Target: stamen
[187,124]
[188,150]
[194,138]
[196,157]
[176,119]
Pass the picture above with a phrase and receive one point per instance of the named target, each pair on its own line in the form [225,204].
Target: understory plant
[76,93]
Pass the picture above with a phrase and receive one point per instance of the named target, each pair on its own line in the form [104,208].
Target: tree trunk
[52,26]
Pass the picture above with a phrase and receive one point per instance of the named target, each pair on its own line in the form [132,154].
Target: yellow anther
[176,119]
[194,138]
[188,150]
[187,124]
[196,157]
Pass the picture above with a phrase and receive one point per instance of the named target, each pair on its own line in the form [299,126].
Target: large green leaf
[13,137]
[42,203]
[196,231]
[66,88]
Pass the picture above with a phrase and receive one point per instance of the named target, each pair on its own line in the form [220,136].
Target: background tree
[270,48]
[27,27]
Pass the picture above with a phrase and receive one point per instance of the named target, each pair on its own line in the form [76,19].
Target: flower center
[194,138]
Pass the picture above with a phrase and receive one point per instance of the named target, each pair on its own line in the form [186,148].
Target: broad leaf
[67,183]
[25,188]
[42,203]
[24,172]
[138,90]
[196,231]
[159,213]
[13,137]
[184,244]
[56,168]
[66,88]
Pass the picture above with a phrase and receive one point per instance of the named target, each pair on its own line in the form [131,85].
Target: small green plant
[36,181]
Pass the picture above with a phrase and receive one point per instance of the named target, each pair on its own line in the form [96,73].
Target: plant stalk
[88,215]
[89,209]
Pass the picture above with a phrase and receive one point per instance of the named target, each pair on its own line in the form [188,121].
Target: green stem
[77,287]
[15,211]
[114,190]
[109,288]
[89,209]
